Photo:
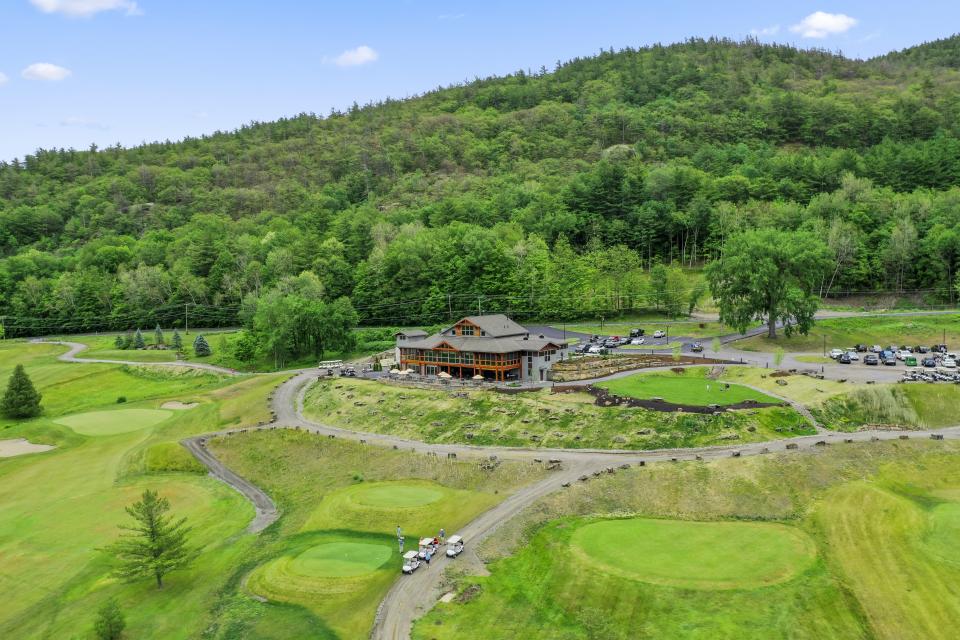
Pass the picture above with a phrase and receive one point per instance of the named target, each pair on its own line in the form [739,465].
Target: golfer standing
[443,534]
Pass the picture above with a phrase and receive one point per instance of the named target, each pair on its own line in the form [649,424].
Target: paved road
[77,347]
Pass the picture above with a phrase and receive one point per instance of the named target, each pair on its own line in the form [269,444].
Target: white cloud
[45,71]
[820,24]
[3,78]
[74,121]
[772,30]
[355,57]
[86,8]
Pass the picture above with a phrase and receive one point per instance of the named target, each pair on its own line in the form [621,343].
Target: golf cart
[428,548]
[410,561]
[454,546]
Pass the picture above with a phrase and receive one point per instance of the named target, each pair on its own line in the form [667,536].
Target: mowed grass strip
[340,559]
[696,555]
[690,387]
[109,423]
[905,590]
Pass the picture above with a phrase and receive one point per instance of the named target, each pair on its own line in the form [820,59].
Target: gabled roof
[411,334]
[496,325]
[484,344]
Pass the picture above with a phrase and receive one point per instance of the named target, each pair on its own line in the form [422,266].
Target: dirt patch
[780,374]
[603,398]
[469,593]
[176,405]
[21,446]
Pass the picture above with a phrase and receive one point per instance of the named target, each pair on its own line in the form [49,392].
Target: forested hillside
[546,194]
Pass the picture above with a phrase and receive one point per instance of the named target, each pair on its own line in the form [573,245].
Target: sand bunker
[176,405]
[20,446]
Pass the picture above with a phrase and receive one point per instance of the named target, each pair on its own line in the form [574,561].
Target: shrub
[110,623]
[200,347]
[121,399]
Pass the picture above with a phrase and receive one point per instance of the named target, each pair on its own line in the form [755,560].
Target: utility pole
[449,307]
[479,309]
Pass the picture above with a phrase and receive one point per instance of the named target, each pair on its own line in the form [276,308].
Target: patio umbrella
[394,371]
[405,372]
[478,377]
[444,374]
[408,371]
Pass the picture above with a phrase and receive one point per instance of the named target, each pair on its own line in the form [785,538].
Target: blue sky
[76,72]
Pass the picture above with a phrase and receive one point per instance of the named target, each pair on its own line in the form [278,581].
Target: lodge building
[492,346]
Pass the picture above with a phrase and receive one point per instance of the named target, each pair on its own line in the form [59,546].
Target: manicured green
[108,423]
[696,555]
[396,496]
[541,418]
[692,386]
[340,559]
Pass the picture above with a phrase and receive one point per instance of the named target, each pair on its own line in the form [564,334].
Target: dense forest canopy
[540,194]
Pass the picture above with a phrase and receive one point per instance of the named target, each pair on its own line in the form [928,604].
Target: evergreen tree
[200,347]
[120,343]
[21,400]
[158,335]
[177,341]
[138,342]
[156,545]
[110,622]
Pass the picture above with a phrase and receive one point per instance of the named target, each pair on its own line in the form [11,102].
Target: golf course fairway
[109,423]
[695,555]
[340,560]
[397,495]
[690,387]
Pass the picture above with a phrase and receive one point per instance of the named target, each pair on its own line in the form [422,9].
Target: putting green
[340,560]
[396,495]
[695,555]
[108,423]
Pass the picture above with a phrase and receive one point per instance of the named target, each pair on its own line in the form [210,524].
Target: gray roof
[496,325]
[483,345]
[412,333]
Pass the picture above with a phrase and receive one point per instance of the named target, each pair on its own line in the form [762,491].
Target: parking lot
[934,363]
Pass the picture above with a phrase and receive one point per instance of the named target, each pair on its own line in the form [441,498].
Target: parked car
[876,349]
[844,358]
[636,333]
[903,354]
[411,561]
[929,362]
[921,349]
[888,358]
[454,546]
[637,341]
[696,347]
[910,361]
[595,349]
[852,353]
[836,353]
[871,359]
[939,348]
[594,338]
[659,333]
[860,348]
[949,363]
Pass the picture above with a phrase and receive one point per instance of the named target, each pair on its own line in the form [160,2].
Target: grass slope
[882,330]
[533,419]
[906,406]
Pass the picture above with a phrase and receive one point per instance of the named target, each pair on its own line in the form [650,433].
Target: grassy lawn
[855,541]
[62,506]
[352,497]
[690,387]
[652,347]
[845,332]
[536,418]
[680,328]
[813,359]
[799,388]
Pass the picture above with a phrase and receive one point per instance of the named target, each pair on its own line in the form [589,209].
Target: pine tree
[158,335]
[177,341]
[110,622]
[138,342]
[156,545]
[21,400]
[120,343]
[200,347]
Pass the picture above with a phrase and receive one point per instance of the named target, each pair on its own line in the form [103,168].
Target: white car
[411,561]
[876,348]
[454,546]
[659,333]
[903,354]
[949,363]
[836,353]
[853,355]
[595,349]
[637,341]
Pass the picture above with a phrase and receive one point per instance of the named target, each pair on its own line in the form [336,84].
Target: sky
[77,72]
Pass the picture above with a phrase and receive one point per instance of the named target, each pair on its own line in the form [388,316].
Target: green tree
[158,335]
[245,346]
[769,275]
[155,544]
[200,347]
[21,399]
[110,622]
[138,342]
[119,342]
[177,341]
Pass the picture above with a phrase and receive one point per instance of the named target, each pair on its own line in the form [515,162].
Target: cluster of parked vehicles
[599,344]
[428,548]
[936,356]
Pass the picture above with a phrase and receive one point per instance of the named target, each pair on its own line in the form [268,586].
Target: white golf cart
[411,561]
[454,546]
[428,549]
